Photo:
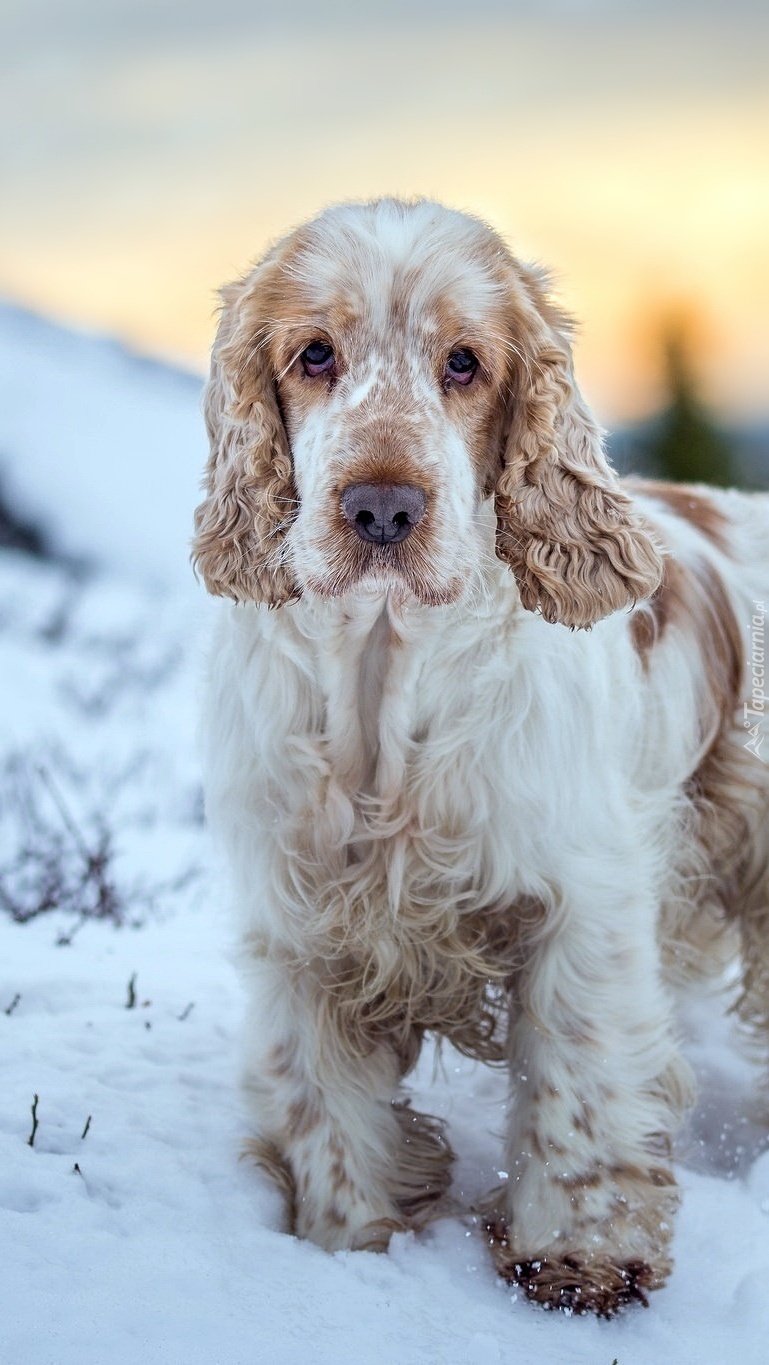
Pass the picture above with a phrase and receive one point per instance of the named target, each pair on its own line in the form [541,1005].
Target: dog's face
[391,363]
[381,376]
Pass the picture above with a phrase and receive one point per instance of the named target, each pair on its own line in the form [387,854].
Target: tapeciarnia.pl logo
[755,709]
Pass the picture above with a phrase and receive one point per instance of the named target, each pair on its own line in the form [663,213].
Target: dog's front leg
[327,1126]
[586,1218]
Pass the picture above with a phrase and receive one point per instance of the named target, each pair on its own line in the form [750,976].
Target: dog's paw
[575,1283]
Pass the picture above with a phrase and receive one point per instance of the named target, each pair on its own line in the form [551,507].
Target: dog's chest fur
[394,826]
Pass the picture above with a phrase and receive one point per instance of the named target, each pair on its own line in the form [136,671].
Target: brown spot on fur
[532,1140]
[661,1177]
[280,1059]
[303,1115]
[585,1122]
[543,1093]
[694,506]
[591,1179]
[543,1147]
[335,1147]
[721,642]
[340,1180]
[695,600]
[616,1174]
[650,620]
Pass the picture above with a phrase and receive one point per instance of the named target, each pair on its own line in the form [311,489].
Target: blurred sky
[149,149]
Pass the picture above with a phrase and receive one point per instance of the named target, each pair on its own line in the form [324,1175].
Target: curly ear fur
[250,496]
[564,525]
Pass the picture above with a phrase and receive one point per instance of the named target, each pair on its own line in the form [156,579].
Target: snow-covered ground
[129,1229]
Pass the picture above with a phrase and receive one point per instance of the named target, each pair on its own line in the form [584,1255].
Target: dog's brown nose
[383,513]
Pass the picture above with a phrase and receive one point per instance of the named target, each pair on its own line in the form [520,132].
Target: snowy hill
[129,1230]
[103,449]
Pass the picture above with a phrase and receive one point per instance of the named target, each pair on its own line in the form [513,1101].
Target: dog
[483,746]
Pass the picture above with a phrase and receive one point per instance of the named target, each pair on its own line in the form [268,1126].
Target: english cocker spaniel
[492,768]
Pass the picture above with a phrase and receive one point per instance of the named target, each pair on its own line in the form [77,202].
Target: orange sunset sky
[151,149]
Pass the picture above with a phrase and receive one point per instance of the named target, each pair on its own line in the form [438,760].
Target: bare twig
[85,1130]
[186,1012]
[60,863]
[64,855]
[131,1001]
[64,811]
[31,1138]
[63,939]
[13,1004]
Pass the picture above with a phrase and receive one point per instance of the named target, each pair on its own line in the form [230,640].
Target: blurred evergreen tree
[684,444]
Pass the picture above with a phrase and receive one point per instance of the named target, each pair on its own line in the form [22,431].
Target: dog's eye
[461,366]
[317,358]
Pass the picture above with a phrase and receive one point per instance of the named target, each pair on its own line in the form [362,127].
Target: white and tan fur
[491,782]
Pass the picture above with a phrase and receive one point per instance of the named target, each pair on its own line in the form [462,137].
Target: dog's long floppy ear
[250,497]
[564,525]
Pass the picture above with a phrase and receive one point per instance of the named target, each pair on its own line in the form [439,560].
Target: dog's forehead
[400,265]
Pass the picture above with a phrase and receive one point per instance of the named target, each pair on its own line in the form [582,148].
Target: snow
[145,1237]
[105,447]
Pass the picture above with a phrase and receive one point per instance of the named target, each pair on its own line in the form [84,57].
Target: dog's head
[381,375]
